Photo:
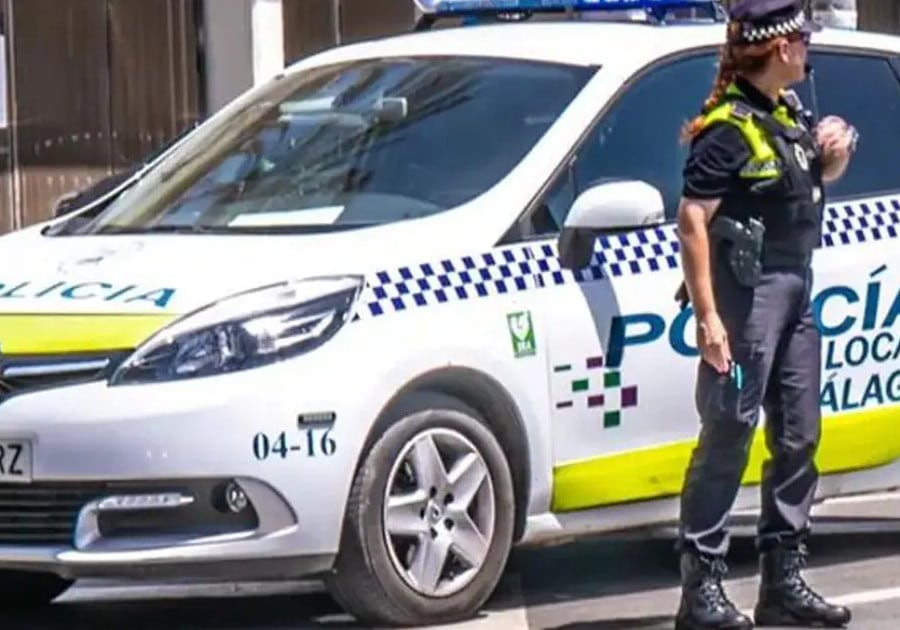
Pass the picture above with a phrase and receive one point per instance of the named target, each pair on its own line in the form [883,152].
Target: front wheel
[429,522]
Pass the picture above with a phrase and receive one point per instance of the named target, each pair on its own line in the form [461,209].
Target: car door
[621,356]
[856,295]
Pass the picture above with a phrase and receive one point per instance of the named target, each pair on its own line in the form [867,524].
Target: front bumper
[165,528]
[205,562]
[76,566]
[172,450]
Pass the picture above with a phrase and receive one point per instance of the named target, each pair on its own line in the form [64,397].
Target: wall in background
[93,86]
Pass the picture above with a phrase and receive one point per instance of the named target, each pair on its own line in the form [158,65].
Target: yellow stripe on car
[57,333]
[850,442]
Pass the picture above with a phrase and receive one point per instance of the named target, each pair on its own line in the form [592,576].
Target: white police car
[329,332]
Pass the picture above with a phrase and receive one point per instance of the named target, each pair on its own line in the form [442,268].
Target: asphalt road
[601,585]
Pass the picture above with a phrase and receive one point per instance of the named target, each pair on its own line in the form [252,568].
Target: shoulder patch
[741,111]
[791,99]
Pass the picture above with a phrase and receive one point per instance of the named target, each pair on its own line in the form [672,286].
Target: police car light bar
[462,8]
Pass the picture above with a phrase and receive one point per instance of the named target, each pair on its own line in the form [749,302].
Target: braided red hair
[734,59]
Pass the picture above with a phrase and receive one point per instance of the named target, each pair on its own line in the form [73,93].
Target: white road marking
[510,613]
[506,613]
[859,597]
[868,597]
[863,498]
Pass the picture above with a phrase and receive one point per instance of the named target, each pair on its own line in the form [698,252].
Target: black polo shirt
[719,152]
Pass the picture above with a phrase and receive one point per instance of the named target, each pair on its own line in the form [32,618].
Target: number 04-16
[265,447]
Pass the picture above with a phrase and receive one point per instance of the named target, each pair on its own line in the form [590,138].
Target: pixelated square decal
[629,396]
[611,379]
[611,419]
[595,388]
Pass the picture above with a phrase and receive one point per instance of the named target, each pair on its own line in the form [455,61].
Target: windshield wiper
[324,228]
[160,229]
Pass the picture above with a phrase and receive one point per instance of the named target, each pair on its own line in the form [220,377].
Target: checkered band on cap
[774,30]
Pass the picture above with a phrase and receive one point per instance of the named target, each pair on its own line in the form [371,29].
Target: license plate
[15,461]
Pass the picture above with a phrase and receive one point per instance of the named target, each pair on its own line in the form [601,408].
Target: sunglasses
[800,37]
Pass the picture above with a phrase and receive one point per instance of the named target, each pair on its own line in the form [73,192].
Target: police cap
[754,21]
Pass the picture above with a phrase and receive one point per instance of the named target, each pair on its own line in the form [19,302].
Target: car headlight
[243,331]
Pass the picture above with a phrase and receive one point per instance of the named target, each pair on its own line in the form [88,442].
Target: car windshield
[353,144]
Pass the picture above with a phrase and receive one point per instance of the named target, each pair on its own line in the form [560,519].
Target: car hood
[68,294]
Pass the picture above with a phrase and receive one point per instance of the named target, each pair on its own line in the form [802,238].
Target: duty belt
[773,257]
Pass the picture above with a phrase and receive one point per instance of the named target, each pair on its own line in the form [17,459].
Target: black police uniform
[762,160]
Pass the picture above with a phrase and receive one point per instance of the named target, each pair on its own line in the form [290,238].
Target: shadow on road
[573,573]
[647,623]
[285,612]
[609,567]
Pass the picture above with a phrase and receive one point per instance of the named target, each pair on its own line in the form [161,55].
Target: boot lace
[795,562]
[711,590]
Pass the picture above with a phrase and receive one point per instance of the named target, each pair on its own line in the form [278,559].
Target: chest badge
[801,157]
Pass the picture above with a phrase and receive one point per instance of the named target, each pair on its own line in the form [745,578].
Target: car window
[872,105]
[637,138]
[359,143]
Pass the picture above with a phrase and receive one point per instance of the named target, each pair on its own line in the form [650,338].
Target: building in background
[836,13]
[93,86]
[247,41]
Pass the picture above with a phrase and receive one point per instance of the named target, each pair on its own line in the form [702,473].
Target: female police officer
[748,222]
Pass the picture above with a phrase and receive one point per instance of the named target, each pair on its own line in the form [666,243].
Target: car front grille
[41,514]
[45,513]
[20,374]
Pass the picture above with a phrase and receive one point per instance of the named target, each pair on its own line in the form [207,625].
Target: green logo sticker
[521,333]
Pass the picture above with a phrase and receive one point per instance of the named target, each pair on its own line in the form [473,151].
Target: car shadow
[287,612]
[580,572]
[601,568]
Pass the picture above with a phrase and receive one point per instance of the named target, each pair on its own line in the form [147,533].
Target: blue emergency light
[655,9]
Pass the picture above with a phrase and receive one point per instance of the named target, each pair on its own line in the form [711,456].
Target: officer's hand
[713,343]
[834,135]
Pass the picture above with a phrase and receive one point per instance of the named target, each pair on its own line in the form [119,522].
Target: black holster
[743,246]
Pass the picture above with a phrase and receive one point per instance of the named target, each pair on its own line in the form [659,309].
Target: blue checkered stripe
[627,254]
[531,266]
[849,224]
[516,268]
[449,280]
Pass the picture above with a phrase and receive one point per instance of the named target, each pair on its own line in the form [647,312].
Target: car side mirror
[391,109]
[614,205]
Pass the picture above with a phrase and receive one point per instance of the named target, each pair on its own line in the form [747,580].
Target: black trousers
[774,339]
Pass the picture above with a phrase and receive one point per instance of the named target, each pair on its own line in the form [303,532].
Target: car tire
[23,590]
[366,579]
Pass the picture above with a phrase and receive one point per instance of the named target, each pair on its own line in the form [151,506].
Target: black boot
[704,604]
[785,599]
